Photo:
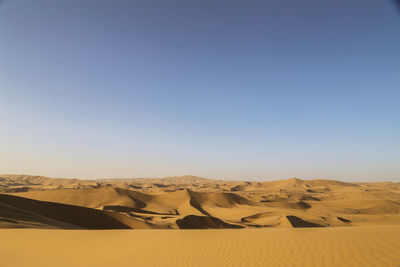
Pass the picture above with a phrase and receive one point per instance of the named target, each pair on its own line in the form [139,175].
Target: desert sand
[290,222]
[336,246]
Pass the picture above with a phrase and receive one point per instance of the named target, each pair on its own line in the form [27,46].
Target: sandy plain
[339,246]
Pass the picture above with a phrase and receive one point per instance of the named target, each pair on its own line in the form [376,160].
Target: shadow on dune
[297,222]
[343,220]
[74,215]
[129,209]
[203,222]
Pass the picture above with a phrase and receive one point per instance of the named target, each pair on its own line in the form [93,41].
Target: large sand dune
[193,202]
[22,212]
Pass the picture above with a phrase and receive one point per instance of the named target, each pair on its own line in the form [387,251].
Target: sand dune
[12,217]
[92,198]
[335,246]
[201,203]
[18,211]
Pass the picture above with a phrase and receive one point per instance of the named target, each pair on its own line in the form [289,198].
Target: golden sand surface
[329,246]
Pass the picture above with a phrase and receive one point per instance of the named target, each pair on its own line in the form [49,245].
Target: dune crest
[191,202]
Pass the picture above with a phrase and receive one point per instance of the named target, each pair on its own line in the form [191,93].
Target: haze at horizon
[229,89]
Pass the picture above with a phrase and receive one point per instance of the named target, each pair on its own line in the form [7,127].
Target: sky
[255,89]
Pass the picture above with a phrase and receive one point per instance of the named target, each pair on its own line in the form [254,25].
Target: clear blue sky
[222,89]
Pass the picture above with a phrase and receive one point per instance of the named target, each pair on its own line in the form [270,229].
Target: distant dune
[191,202]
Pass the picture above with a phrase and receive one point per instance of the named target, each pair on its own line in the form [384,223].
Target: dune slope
[193,202]
[56,214]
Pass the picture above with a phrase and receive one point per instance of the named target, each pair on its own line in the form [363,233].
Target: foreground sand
[336,246]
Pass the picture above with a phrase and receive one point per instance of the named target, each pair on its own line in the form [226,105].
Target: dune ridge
[191,202]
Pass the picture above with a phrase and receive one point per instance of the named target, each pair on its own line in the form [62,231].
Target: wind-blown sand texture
[336,246]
